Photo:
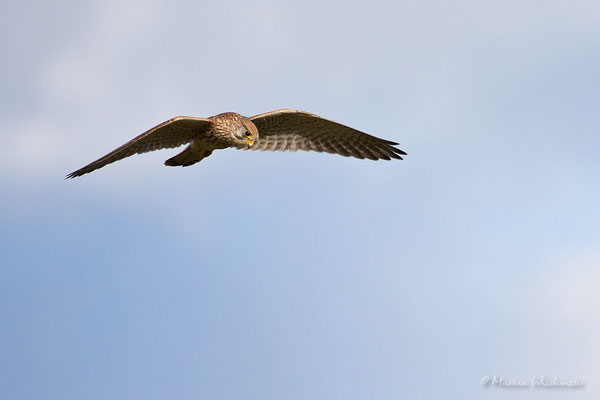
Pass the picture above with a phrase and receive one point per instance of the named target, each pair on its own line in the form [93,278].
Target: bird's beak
[250,142]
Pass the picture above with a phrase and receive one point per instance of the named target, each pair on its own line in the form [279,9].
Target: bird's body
[216,137]
[276,130]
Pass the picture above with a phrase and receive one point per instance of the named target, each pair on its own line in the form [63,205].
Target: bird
[279,130]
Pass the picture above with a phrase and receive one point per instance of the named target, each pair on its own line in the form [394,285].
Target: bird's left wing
[172,133]
[298,130]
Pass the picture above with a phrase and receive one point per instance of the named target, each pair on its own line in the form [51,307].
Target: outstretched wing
[172,133]
[297,130]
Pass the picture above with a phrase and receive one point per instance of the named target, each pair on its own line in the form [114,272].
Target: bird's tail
[187,157]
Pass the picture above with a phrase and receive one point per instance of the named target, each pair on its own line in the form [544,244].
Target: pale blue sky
[301,275]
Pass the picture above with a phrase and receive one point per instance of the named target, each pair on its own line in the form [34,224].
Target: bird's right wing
[172,133]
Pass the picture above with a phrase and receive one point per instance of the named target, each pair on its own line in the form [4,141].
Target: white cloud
[567,294]
[552,328]
[81,70]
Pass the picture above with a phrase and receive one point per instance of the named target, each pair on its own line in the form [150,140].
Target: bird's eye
[248,134]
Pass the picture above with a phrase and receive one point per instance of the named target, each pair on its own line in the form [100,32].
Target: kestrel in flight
[276,130]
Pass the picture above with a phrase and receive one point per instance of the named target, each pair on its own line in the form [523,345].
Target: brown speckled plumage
[278,130]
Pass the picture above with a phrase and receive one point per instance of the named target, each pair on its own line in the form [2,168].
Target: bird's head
[245,133]
[239,130]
